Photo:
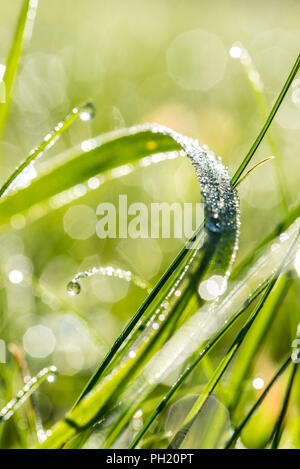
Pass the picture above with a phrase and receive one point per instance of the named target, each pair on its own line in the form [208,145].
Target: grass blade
[239,429]
[188,370]
[181,434]
[78,165]
[254,341]
[257,87]
[48,141]
[278,427]
[8,410]
[25,20]
[267,124]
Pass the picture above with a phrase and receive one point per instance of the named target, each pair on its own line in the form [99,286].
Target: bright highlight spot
[210,289]
[88,145]
[51,378]
[2,71]
[236,52]
[80,222]
[297,263]
[258,383]
[15,276]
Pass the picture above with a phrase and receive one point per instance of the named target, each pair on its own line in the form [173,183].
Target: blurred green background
[164,61]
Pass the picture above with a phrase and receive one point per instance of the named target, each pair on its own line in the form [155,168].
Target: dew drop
[73,288]
[87,112]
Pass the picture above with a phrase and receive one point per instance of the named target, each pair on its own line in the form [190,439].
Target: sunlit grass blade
[74,286]
[25,21]
[267,124]
[265,160]
[228,304]
[254,341]
[34,418]
[189,368]
[222,235]
[257,87]
[125,333]
[211,385]
[92,157]
[278,427]
[128,329]
[82,416]
[257,404]
[8,410]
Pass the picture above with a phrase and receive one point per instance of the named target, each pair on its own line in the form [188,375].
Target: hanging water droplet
[87,112]
[73,288]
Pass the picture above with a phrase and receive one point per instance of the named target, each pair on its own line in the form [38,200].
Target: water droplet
[87,112]
[73,288]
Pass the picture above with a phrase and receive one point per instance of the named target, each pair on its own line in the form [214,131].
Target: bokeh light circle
[196,60]
[80,222]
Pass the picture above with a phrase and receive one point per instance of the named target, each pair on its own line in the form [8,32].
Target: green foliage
[146,371]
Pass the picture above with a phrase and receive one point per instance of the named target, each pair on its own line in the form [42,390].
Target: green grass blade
[207,170]
[48,141]
[258,272]
[278,427]
[89,408]
[254,341]
[8,410]
[76,165]
[265,160]
[129,327]
[267,124]
[188,370]
[257,87]
[26,14]
[209,388]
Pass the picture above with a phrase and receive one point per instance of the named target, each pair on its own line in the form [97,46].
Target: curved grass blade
[105,154]
[79,164]
[222,221]
[74,287]
[48,141]
[278,427]
[222,224]
[24,24]
[241,426]
[183,252]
